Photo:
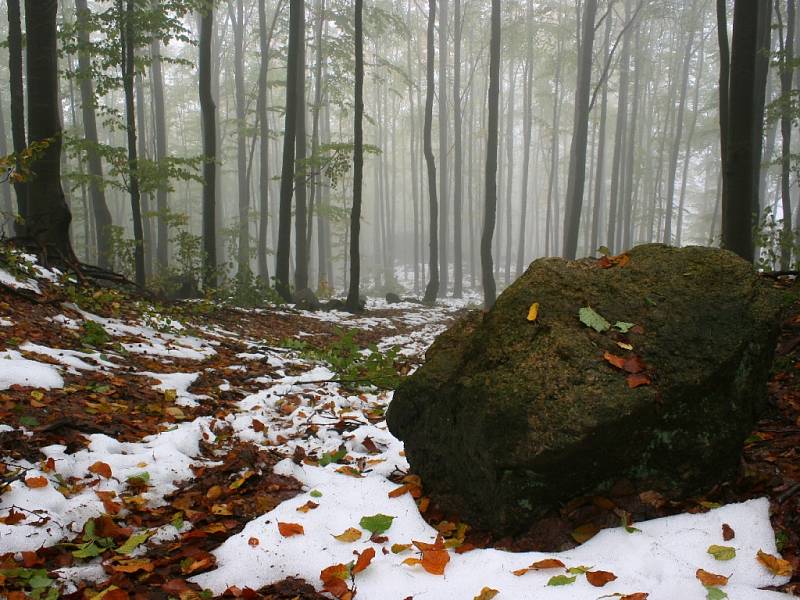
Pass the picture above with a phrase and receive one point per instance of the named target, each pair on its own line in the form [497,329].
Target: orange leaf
[547,563]
[599,578]
[636,596]
[397,492]
[49,465]
[710,579]
[727,532]
[334,580]
[12,518]
[109,505]
[36,482]
[434,556]
[777,566]
[307,507]
[101,468]
[638,379]
[615,360]
[132,565]
[364,558]
[253,541]
[290,529]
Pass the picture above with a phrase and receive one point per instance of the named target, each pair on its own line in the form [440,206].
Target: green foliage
[17,165]
[351,364]
[16,263]
[36,581]
[93,334]
[773,240]
[376,524]
[105,301]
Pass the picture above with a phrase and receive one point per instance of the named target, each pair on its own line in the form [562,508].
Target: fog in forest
[608,136]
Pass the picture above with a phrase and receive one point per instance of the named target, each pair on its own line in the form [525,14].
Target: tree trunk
[458,266]
[209,126]
[287,168]
[358,164]
[738,182]
[162,209]
[48,217]
[316,197]
[444,180]
[599,180]
[577,161]
[126,17]
[786,66]
[7,220]
[432,289]
[19,140]
[512,93]
[489,290]
[97,195]
[300,217]
[724,78]
[141,141]
[527,130]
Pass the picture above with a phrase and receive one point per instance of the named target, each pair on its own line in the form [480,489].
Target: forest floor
[156,451]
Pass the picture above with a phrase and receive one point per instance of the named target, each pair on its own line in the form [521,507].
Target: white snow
[8,279]
[15,370]
[70,358]
[180,382]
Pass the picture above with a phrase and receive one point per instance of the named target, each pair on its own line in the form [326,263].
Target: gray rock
[508,418]
[393,298]
[305,299]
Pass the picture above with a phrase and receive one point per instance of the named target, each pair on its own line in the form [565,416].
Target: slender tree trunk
[97,195]
[444,147]
[316,196]
[126,42]
[7,221]
[786,74]
[19,140]
[432,289]
[724,78]
[415,195]
[287,169]
[358,164]
[458,266]
[300,225]
[209,126]
[626,218]
[141,142]
[599,180]
[527,130]
[157,81]
[512,93]
[489,290]
[552,184]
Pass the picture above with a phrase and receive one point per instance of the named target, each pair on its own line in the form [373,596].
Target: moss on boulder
[509,417]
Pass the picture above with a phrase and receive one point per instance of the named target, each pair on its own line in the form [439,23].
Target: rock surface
[508,416]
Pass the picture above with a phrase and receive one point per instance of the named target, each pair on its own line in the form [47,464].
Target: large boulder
[509,417]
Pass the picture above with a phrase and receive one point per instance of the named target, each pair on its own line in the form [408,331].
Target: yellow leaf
[351,534]
[487,593]
[533,312]
[777,566]
[624,346]
[170,395]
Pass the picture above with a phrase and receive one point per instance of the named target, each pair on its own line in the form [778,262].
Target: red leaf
[599,578]
[634,365]
[637,379]
[253,541]
[615,360]
[727,532]
[102,469]
[334,580]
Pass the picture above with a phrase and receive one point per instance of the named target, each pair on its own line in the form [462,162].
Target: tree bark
[577,161]
[489,289]
[432,289]
[724,78]
[162,209]
[300,217]
[444,180]
[352,302]
[209,126]
[599,180]
[458,183]
[19,139]
[287,168]
[48,217]
[786,74]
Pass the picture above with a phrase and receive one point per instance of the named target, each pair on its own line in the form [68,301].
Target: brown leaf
[101,468]
[36,482]
[599,578]
[727,532]
[307,507]
[214,492]
[777,566]
[258,426]
[585,532]
[363,560]
[253,541]
[290,529]
[547,563]
[12,518]
[351,534]
[638,379]
[487,593]
[634,364]
[710,579]
[132,565]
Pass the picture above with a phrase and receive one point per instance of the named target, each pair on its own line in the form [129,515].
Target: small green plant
[93,334]
[106,301]
[15,262]
[36,582]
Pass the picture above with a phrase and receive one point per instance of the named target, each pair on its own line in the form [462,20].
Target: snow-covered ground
[660,558]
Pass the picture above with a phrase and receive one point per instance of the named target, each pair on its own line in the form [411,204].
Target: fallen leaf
[585,532]
[722,552]
[547,563]
[487,593]
[36,482]
[399,548]
[253,541]
[713,593]
[434,556]
[307,507]
[710,579]
[623,326]
[132,565]
[376,524]
[399,491]
[12,518]
[101,468]
[777,566]
[349,471]
[625,346]
[634,364]
[133,542]
[290,529]
[613,359]
[533,312]
[599,578]
[592,319]
[334,580]
[561,580]
[636,380]
[351,534]
[727,532]
[363,560]
[214,492]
